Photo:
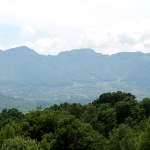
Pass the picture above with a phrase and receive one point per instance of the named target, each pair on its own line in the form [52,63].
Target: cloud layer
[49,46]
[125,37]
[52,26]
[129,37]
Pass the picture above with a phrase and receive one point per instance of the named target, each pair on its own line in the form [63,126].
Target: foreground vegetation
[114,121]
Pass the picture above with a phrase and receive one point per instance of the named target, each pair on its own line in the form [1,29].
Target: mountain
[73,75]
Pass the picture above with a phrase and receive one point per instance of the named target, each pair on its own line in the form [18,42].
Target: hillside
[21,104]
[76,75]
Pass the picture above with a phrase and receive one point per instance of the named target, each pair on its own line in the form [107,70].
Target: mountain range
[76,75]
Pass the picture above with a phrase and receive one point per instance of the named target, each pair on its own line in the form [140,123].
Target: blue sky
[52,26]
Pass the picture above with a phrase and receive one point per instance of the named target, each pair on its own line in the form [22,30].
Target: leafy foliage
[146,105]
[122,138]
[113,121]
[9,115]
[19,143]
[112,98]
[144,138]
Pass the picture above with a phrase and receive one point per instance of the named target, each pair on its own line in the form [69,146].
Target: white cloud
[70,14]
[47,46]
[127,36]
[146,42]
[106,26]
[27,31]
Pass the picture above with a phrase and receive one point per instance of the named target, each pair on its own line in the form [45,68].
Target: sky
[52,26]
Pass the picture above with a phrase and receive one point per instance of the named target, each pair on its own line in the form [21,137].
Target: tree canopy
[113,121]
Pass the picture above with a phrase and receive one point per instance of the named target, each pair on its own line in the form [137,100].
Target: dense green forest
[114,121]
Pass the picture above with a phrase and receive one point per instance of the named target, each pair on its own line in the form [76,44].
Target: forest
[113,121]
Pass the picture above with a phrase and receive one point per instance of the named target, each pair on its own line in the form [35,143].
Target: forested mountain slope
[23,69]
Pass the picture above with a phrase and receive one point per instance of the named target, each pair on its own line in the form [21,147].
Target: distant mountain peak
[84,51]
[20,50]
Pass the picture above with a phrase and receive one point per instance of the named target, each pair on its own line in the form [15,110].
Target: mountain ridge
[22,67]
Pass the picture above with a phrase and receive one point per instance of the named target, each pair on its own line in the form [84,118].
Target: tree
[45,144]
[9,131]
[106,119]
[75,135]
[129,111]
[146,105]
[89,113]
[122,138]
[75,109]
[143,141]
[112,98]
[9,115]
[20,143]
[39,122]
